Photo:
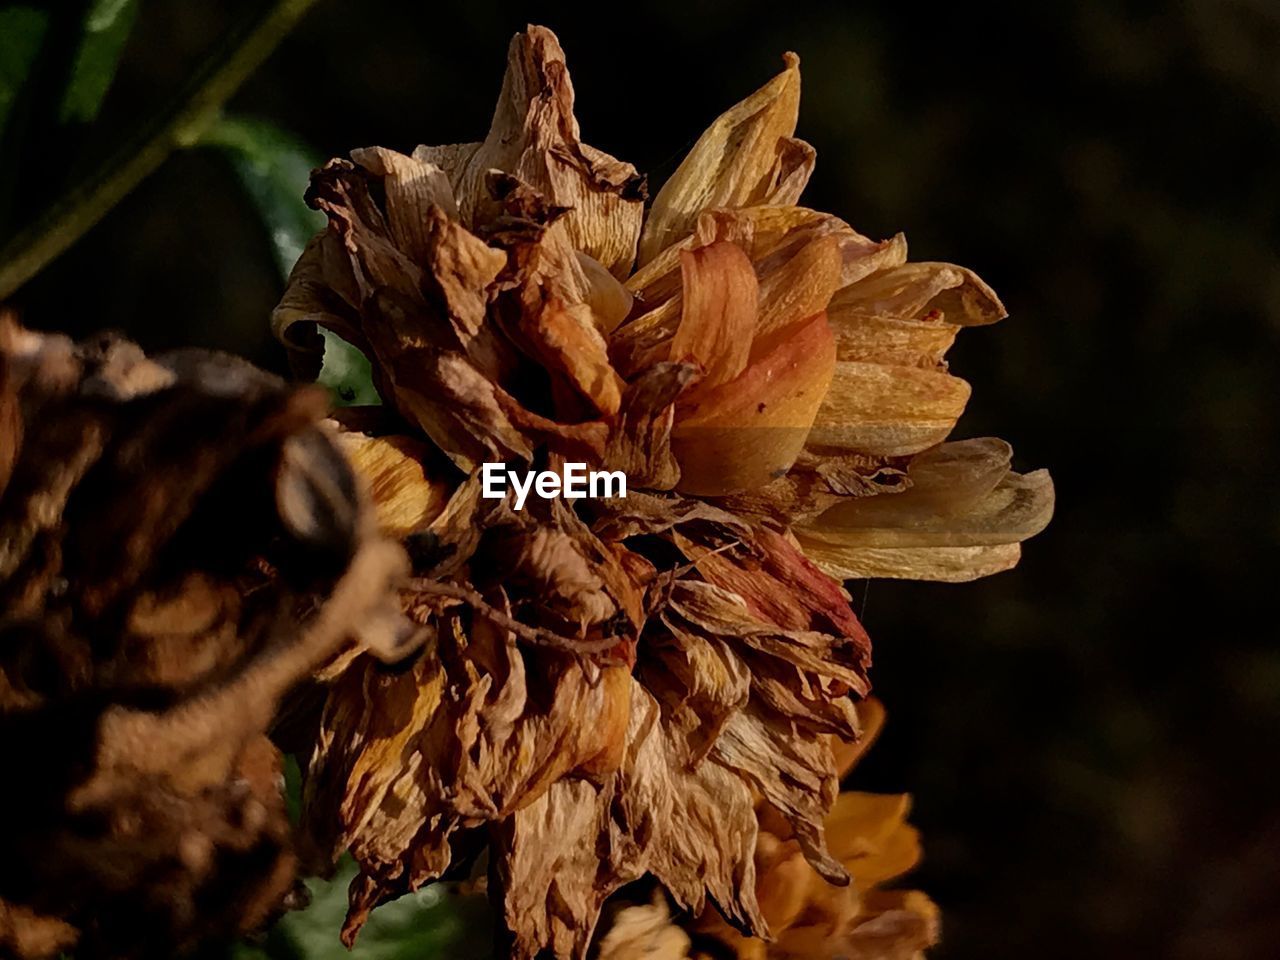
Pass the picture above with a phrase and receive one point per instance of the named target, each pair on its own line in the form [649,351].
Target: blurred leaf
[434,922]
[274,168]
[22,30]
[104,34]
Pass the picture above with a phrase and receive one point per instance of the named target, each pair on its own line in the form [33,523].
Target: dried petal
[534,136]
[718,319]
[911,290]
[887,410]
[405,498]
[640,443]
[946,564]
[1019,507]
[800,286]
[866,338]
[744,433]
[737,162]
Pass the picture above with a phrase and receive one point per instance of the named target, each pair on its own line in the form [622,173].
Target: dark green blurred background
[1092,739]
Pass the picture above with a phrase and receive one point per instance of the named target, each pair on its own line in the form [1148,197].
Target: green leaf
[22,31]
[431,923]
[274,168]
[103,36]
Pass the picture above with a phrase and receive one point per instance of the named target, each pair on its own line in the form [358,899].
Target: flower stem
[179,126]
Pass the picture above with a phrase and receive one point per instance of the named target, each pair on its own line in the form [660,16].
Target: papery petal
[912,290]
[887,410]
[694,829]
[946,564]
[866,338]
[769,235]
[640,442]
[962,518]
[321,292]
[534,136]
[1019,507]
[801,286]
[735,163]
[412,187]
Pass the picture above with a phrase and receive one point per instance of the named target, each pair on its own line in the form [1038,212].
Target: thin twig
[180,126]
[531,634]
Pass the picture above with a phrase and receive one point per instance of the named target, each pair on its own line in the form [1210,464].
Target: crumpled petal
[534,137]
[640,442]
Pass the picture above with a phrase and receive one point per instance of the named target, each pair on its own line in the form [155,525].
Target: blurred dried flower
[613,687]
[180,544]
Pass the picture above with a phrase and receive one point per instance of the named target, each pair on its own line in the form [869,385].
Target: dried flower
[180,543]
[614,686]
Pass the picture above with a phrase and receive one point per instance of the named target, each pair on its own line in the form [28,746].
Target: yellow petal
[745,433]
[887,410]
[405,497]
[735,163]
[1019,507]
[800,286]
[944,564]
[905,343]
[860,823]
[915,289]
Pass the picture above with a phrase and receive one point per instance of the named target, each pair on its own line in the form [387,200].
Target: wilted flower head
[616,685]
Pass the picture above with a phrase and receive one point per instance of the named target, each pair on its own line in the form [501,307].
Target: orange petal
[745,433]
[719,316]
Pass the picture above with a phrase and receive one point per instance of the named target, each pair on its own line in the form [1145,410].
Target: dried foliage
[623,688]
[180,545]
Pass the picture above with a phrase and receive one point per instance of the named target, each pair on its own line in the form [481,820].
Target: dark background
[1091,739]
